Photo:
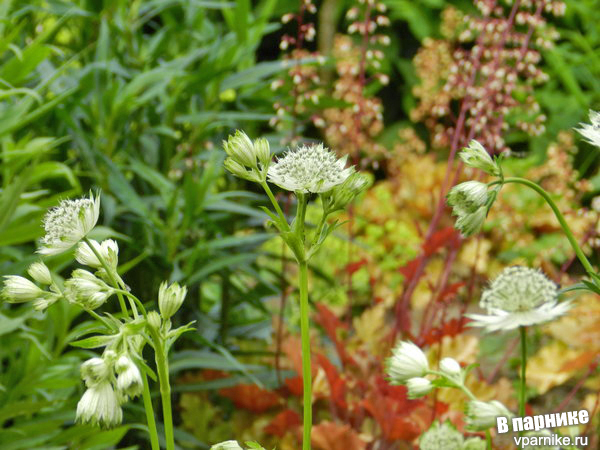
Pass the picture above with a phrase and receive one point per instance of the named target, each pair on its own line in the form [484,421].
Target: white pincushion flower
[475,155]
[309,169]
[482,415]
[227,445]
[100,406]
[86,289]
[418,387]
[17,289]
[591,131]
[441,437]
[129,378]
[450,367]
[68,223]
[407,361]
[40,273]
[519,296]
[108,250]
[170,298]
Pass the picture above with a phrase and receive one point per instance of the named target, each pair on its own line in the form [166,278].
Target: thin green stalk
[559,216]
[523,332]
[301,215]
[162,365]
[133,299]
[274,202]
[306,370]
[150,413]
[110,275]
[488,439]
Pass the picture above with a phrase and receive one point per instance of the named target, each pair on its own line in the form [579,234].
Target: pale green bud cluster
[407,361]
[475,155]
[170,298]
[87,290]
[107,249]
[17,289]
[341,195]
[469,201]
[481,416]
[418,387]
[246,159]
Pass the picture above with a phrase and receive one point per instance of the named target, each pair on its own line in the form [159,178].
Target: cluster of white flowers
[444,436]
[17,289]
[519,296]
[246,159]
[110,381]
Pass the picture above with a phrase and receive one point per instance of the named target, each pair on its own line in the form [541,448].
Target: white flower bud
[95,371]
[154,320]
[100,406]
[87,290]
[40,273]
[481,416]
[470,224]
[227,445]
[108,250]
[475,155]
[466,198]
[407,361]
[17,289]
[418,387]
[129,379]
[240,171]
[170,298]
[450,367]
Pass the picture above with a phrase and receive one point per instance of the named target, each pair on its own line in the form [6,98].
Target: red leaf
[332,436]
[446,237]
[354,266]
[330,323]
[337,385]
[294,384]
[283,422]
[450,291]
[250,397]
[410,268]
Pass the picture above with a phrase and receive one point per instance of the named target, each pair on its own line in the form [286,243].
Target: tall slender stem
[559,216]
[274,201]
[150,413]
[165,392]
[306,370]
[522,393]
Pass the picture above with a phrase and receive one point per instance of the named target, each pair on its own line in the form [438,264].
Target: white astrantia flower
[87,289]
[40,273]
[441,436]
[519,296]
[68,223]
[407,361]
[129,378]
[450,367]
[418,387]
[475,155]
[100,406]
[170,298]
[309,169]
[227,445]
[467,197]
[108,250]
[591,131]
[18,289]
[482,415]
[95,371]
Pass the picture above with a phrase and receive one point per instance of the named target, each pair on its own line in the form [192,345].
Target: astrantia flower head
[591,131]
[418,387]
[441,436]
[309,169]
[519,296]
[247,159]
[407,361]
[108,250]
[227,445]
[450,367]
[467,197]
[482,415]
[471,223]
[475,155]
[40,273]
[100,406]
[95,371]
[68,223]
[18,289]
[129,379]
[170,298]
[87,289]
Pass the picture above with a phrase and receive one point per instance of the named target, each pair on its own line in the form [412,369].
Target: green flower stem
[133,298]
[488,439]
[162,364]
[150,413]
[306,370]
[561,219]
[274,202]
[109,273]
[146,392]
[522,396]
[301,215]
